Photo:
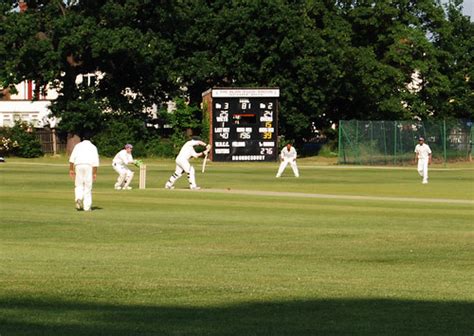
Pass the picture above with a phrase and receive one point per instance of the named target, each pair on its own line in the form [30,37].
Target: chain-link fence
[393,142]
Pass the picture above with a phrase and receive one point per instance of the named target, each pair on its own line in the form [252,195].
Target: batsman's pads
[138,163]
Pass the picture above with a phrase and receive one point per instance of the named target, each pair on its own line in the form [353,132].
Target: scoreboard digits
[243,124]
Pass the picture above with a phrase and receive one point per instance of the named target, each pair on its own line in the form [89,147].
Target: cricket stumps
[142,182]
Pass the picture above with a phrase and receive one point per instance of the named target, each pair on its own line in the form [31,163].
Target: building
[21,106]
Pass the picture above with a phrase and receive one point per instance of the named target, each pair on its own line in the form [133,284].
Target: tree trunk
[72,140]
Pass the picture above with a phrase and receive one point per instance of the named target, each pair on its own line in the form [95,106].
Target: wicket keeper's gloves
[138,163]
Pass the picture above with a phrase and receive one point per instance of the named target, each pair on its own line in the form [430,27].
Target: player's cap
[128,146]
[421,139]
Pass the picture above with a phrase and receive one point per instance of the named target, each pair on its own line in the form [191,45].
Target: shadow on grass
[324,317]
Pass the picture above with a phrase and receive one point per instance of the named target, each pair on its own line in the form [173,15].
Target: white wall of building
[20,106]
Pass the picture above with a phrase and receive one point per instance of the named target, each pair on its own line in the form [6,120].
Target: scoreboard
[243,123]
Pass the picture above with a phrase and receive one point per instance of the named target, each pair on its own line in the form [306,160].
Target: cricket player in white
[83,164]
[288,155]
[183,165]
[119,163]
[423,155]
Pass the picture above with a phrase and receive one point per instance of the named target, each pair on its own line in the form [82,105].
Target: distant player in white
[183,165]
[288,155]
[119,163]
[423,156]
[83,164]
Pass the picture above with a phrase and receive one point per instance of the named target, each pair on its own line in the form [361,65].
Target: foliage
[452,94]
[7,145]
[124,42]
[332,60]
[118,131]
[185,121]
[328,150]
[160,147]
[20,140]
[352,59]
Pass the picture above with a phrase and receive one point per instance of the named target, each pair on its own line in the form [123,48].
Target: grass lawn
[231,260]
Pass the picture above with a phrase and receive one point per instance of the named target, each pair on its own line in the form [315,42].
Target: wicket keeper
[119,163]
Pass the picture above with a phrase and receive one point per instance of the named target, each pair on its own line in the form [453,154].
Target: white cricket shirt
[123,158]
[187,151]
[288,154]
[85,153]
[423,151]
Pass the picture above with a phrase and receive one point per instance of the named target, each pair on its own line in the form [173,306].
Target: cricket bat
[204,164]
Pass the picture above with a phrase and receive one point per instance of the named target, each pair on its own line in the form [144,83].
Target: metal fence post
[444,142]
[394,142]
[340,141]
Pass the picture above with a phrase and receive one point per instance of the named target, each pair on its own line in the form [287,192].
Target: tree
[125,42]
[183,121]
[450,92]
[332,59]
[261,43]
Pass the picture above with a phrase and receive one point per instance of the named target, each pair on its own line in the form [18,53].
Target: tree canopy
[332,59]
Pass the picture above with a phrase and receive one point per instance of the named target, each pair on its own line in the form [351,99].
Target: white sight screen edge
[244,93]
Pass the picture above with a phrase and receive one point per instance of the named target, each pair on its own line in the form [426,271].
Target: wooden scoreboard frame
[243,123]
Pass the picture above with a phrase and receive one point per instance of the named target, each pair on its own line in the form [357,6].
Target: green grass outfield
[339,251]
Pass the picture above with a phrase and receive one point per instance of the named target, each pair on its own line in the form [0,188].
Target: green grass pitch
[247,255]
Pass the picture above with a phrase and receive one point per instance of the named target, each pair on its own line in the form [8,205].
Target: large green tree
[450,89]
[265,43]
[125,42]
[332,59]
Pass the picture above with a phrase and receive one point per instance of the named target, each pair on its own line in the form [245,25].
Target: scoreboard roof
[244,92]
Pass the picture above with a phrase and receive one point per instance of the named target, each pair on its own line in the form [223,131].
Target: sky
[469,8]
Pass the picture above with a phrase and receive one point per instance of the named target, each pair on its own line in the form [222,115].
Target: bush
[117,134]
[20,140]
[159,147]
[121,131]
[6,144]
[328,150]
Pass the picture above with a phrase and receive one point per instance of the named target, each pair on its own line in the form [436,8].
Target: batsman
[183,165]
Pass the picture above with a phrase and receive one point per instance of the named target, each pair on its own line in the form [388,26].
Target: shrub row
[19,140]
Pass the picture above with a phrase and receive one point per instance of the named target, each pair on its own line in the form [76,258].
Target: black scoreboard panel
[244,128]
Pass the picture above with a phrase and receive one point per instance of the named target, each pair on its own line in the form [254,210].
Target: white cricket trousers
[83,185]
[423,169]
[125,175]
[183,166]
[283,165]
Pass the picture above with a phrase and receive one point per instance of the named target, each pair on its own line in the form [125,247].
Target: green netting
[393,142]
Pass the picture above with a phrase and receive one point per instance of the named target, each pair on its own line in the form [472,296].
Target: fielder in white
[83,164]
[119,163]
[288,155]
[183,165]
[423,156]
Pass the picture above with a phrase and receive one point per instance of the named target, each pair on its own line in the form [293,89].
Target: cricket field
[338,251]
